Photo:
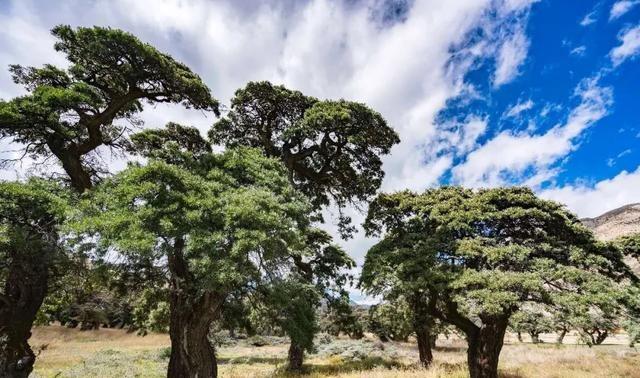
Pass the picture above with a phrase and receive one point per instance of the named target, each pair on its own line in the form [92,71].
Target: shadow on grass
[451,349]
[343,366]
[252,360]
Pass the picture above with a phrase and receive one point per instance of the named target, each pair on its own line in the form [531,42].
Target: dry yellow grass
[115,353]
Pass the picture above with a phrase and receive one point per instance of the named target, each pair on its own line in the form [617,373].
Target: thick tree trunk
[600,336]
[484,348]
[422,325]
[25,288]
[296,357]
[192,355]
[535,337]
[424,346]
[561,336]
[80,178]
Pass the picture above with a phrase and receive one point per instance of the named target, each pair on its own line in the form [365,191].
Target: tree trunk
[422,325]
[519,335]
[484,348]
[600,337]
[25,288]
[80,178]
[535,337]
[192,355]
[296,357]
[561,336]
[424,346]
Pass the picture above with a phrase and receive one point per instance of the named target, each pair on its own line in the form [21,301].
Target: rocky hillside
[624,220]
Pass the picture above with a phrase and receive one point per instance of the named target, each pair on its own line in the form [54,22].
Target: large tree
[332,151]
[70,113]
[217,221]
[31,215]
[481,255]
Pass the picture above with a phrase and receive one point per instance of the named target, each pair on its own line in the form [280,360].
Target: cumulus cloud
[592,200]
[522,157]
[629,47]
[619,8]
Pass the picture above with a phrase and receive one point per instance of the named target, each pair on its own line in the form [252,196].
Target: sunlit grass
[115,353]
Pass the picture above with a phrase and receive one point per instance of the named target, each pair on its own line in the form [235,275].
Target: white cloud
[589,19]
[407,70]
[593,200]
[515,110]
[629,48]
[579,51]
[621,7]
[511,54]
[517,157]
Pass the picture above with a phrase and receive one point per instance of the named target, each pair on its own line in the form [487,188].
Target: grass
[114,353]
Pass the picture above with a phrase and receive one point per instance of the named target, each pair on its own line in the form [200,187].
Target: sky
[483,93]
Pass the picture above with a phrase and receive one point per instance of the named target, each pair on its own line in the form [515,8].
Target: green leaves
[488,252]
[70,113]
[231,209]
[332,149]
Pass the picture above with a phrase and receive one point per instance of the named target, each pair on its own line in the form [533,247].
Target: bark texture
[424,346]
[192,355]
[24,291]
[296,357]
[484,349]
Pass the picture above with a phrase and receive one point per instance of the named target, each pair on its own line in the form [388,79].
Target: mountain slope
[622,221]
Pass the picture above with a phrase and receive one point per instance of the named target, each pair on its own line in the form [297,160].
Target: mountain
[622,221]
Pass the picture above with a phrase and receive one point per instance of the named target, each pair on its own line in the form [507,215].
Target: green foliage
[391,321]
[487,251]
[532,321]
[341,316]
[31,217]
[242,197]
[69,113]
[481,255]
[291,305]
[331,149]
[630,245]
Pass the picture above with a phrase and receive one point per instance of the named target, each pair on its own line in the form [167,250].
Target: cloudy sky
[483,93]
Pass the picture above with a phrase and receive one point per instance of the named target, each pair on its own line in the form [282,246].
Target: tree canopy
[332,149]
[69,113]
[479,256]
[31,215]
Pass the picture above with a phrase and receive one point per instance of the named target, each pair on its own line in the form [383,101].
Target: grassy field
[114,353]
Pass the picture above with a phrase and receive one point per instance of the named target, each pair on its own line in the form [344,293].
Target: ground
[114,353]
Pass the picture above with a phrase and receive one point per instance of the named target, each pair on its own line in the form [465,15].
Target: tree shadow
[450,349]
[252,360]
[344,366]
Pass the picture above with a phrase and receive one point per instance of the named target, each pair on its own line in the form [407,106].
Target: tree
[332,150]
[70,113]
[390,321]
[483,255]
[217,221]
[31,215]
[533,321]
[339,315]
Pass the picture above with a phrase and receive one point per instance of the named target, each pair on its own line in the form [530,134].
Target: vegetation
[226,252]
[480,256]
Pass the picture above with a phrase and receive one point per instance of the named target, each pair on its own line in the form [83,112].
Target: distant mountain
[622,221]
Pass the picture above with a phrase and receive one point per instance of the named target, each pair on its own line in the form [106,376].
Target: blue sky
[483,93]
